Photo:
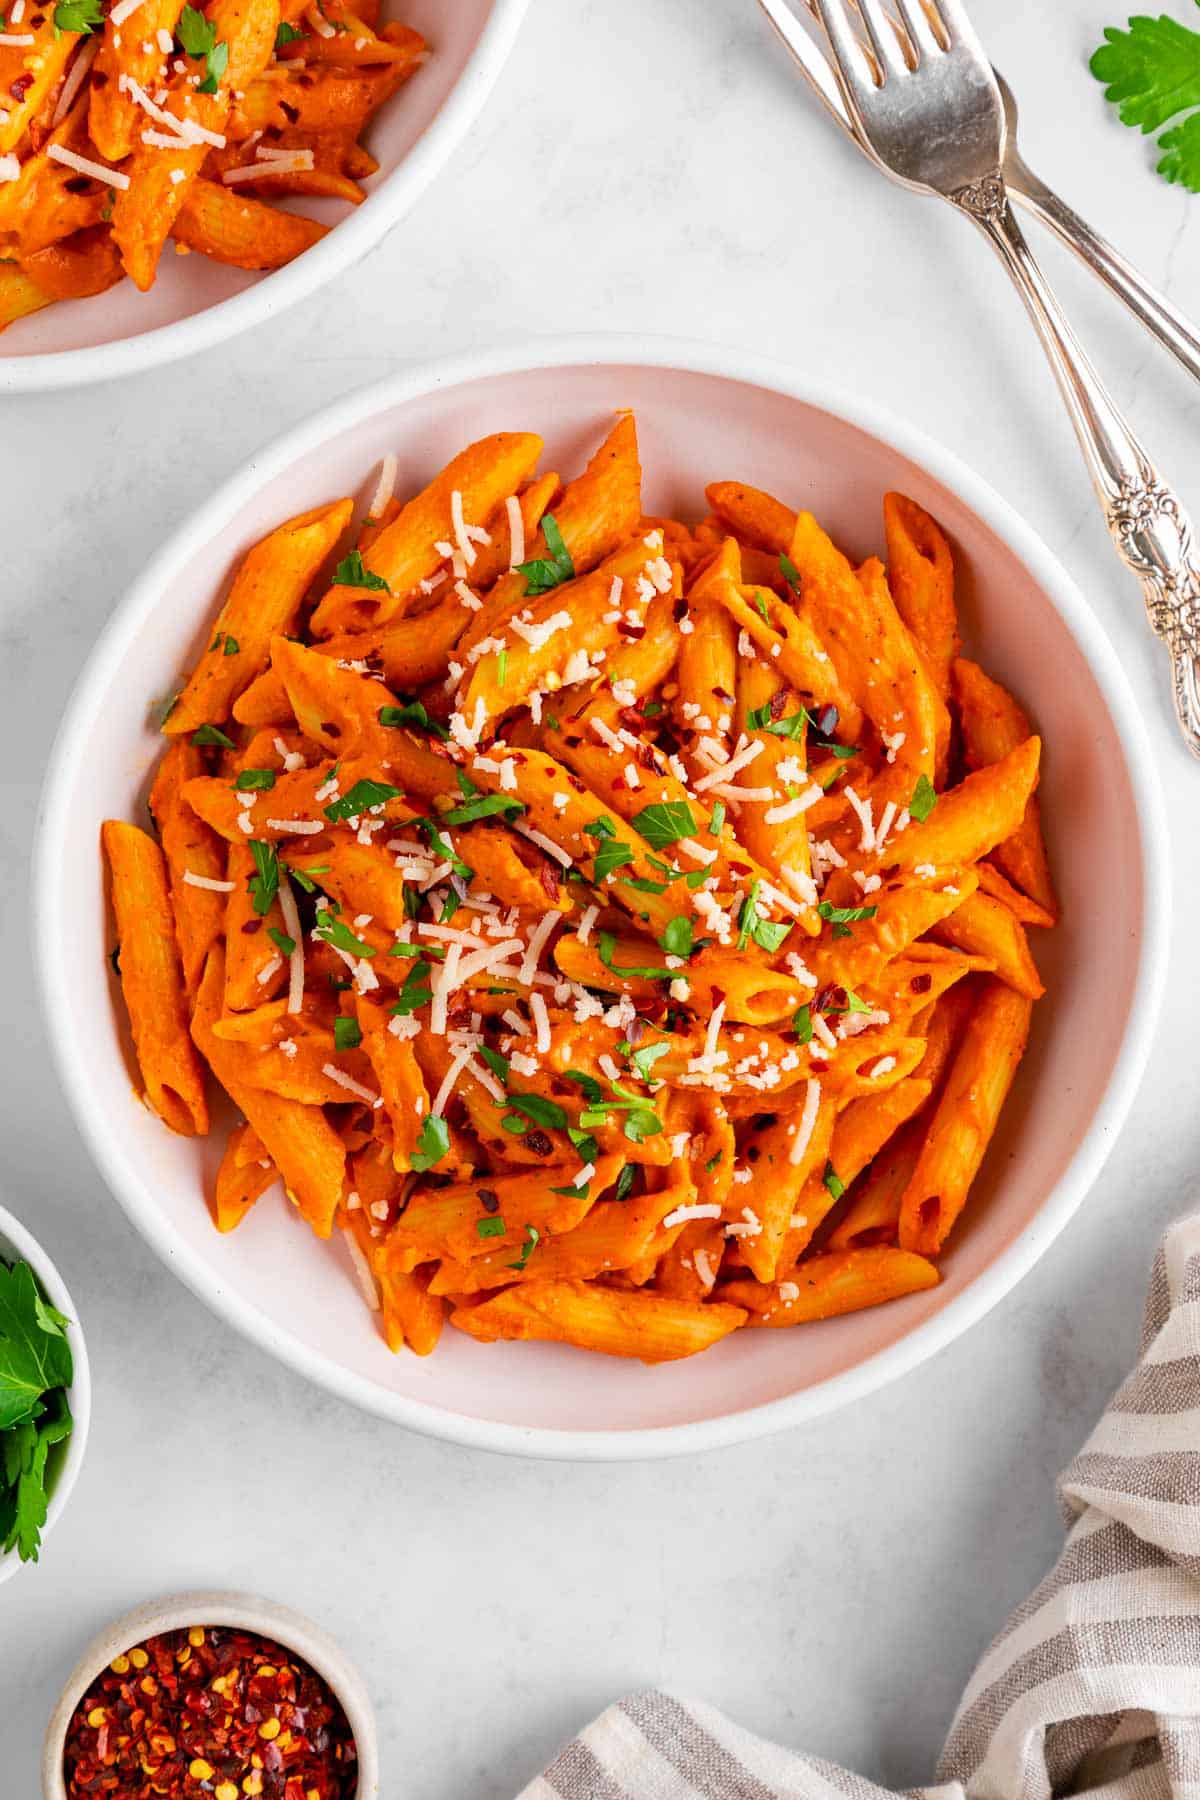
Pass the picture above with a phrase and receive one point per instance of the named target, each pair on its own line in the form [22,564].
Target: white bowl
[249,1612]
[196,302]
[65,1460]
[703,414]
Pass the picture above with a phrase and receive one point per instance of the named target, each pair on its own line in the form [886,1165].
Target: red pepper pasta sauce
[210,1712]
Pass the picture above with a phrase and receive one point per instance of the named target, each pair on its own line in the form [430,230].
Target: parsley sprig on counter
[1151,72]
[36,1368]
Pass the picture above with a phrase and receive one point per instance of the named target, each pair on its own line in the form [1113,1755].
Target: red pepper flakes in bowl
[210,1711]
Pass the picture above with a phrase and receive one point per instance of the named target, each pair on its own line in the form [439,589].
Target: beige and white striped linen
[1094,1683]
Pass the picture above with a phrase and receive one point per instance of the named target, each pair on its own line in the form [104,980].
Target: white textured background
[644,164]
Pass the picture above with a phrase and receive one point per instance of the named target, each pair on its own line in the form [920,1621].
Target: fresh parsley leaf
[546,572]
[254,781]
[924,799]
[353,572]
[584,1143]
[216,64]
[281,940]
[413,713]
[415,992]
[304,877]
[78,15]
[496,1063]
[210,734]
[695,878]
[625,1181]
[432,1144]
[665,823]
[338,935]
[645,1056]
[362,797]
[1152,70]
[288,34]
[1180,161]
[484,806]
[347,1033]
[538,1111]
[612,854]
[853,1005]
[195,32]
[606,945]
[833,1181]
[760,600]
[844,915]
[493,1226]
[802,1024]
[676,940]
[264,883]
[790,572]
[593,1093]
[414,950]
[641,885]
[231,645]
[34,1353]
[532,1235]
[442,848]
[26,1447]
[751,925]
[602,827]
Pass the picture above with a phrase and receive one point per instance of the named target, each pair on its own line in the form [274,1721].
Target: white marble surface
[644,164]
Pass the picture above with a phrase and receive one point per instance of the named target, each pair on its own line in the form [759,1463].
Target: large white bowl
[18,1244]
[702,414]
[196,302]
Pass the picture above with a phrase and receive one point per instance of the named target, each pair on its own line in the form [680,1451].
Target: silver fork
[1163,320]
[938,127]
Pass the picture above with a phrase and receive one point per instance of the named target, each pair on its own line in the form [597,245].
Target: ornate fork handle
[1146,519]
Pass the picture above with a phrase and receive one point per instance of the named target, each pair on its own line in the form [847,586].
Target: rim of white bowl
[685,357]
[350,240]
[247,1612]
[17,1238]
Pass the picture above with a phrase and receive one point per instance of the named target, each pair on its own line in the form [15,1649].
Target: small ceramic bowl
[18,1245]
[244,1612]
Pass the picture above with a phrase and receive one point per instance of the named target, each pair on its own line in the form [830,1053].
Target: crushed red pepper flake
[210,1712]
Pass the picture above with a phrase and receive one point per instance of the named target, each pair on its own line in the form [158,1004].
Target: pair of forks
[917,92]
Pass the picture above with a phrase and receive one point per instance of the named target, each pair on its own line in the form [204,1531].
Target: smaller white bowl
[243,1612]
[18,1245]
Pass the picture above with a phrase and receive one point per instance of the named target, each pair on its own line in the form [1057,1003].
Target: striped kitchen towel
[1093,1684]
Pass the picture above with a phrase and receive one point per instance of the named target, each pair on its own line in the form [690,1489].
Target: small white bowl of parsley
[45,1396]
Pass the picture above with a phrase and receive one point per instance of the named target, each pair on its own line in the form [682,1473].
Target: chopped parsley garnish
[676,940]
[254,781]
[532,1235]
[833,1181]
[612,854]
[281,940]
[716,823]
[842,917]
[625,1181]
[303,877]
[593,1093]
[441,847]
[231,645]
[802,1024]
[853,1005]
[537,1111]
[416,950]
[790,572]
[264,883]
[413,713]
[288,34]
[924,799]
[82,16]
[751,925]
[712,1162]
[496,1063]
[493,1226]
[584,1143]
[211,734]
[347,1033]
[602,827]
[501,678]
[606,945]
[665,823]
[432,1144]
[760,601]
[546,572]
[353,572]
[338,935]
[362,797]
[483,806]
[643,1058]
[415,992]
